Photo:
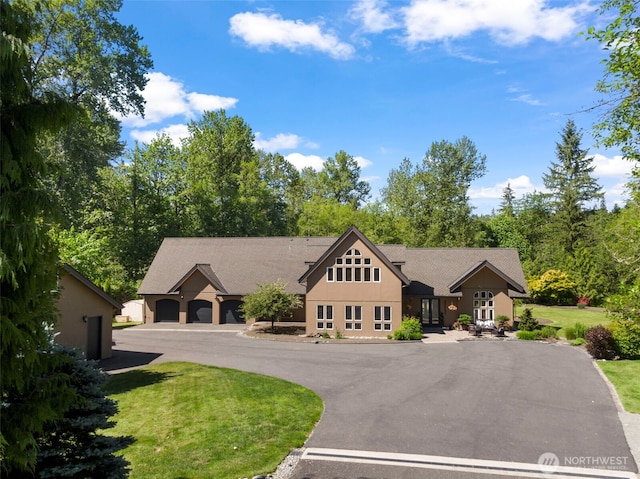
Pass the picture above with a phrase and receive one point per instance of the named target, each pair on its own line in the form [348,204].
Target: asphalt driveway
[504,401]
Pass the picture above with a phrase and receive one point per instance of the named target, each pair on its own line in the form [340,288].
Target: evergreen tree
[74,447]
[29,394]
[574,192]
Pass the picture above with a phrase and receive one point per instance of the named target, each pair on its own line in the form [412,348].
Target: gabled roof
[207,272]
[236,266]
[373,248]
[70,270]
[433,271]
[453,287]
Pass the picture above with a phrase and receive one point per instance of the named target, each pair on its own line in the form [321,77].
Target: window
[353,318]
[382,318]
[376,275]
[348,269]
[324,317]
[483,305]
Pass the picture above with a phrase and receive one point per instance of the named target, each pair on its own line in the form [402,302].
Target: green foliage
[570,333]
[30,395]
[410,329]
[619,126]
[529,335]
[549,332]
[573,190]
[626,337]
[581,330]
[527,321]
[270,301]
[577,342]
[501,320]
[339,334]
[465,319]
[599,342]
[74,446]
[339,180]
[430,199]
[553,287]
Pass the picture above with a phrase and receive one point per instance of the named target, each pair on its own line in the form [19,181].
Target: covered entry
[167,310]
[199,311]
[230,312]
[431,312]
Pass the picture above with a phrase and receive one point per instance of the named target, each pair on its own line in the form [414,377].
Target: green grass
[564,316]
[191,421]
[128,324]
[625,376]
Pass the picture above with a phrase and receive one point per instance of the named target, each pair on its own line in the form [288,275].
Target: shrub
[553,287]
[501,320]
[465,319]
[581,330]
[527,321]
[599,341]
[583,302]
[529,335]
[339,334]
[626,338]
[411,328]
[570,333]
[549,332]
[577,342]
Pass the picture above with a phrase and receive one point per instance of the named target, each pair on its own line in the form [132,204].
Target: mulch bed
[296,333]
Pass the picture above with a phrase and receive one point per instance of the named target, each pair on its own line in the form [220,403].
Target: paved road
[501,401]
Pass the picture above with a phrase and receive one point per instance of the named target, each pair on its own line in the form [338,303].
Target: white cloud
[520,185]
[507,21]
[527,98]
[611,167]
[175,132]
[372,16]
[301,161]
[282,141]
[264,30]
[362,162]
[166,98]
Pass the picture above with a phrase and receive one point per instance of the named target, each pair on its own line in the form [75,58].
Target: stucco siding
[75,305]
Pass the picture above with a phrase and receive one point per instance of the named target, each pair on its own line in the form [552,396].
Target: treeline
[218,184]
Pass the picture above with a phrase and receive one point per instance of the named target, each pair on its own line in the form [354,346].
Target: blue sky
[381,80]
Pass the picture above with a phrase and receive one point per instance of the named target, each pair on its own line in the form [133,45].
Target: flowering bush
[583,302]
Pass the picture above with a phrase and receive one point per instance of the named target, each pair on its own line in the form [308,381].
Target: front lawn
[625,376]
[192,421]
[564,316]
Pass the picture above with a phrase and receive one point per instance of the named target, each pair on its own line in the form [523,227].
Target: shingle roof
[89,284]
[240,264]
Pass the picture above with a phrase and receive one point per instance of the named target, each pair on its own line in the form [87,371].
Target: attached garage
[167,310]
[199,311]
[230,312]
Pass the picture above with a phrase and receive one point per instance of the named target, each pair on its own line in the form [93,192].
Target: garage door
[230,312]
[199,311]
[167,310]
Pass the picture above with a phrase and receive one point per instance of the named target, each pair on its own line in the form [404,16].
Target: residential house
[85,315]
[348,284]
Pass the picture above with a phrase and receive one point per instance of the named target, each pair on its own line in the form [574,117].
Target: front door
[430,312]
[94,337]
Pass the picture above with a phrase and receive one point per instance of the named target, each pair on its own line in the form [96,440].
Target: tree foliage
[75,446]
[554,287]
[270,301]
[620,122]
[27,255]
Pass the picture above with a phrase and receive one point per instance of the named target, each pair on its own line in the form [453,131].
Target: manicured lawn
[191,421]
[563,316]
[128,324]
[625,376]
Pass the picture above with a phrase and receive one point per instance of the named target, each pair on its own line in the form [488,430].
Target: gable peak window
[352,268]
[483,305]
